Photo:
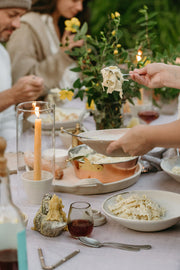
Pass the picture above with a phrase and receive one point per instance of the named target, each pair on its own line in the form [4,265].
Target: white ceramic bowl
[167,200]
[35,190]
[168,164]
[99,140]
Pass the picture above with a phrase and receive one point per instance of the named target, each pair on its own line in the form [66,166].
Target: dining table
[164,254]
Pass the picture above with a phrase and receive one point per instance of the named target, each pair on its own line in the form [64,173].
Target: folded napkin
[152,160]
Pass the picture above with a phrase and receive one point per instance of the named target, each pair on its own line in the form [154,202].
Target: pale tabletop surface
[165,244]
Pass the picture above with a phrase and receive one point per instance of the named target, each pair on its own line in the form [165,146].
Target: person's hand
[152,75]
[68,41]
[134,142]
[27,88]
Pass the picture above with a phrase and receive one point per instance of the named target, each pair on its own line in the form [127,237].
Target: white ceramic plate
[79,115]
[99,140]
[70,183]
[168,164]
[168,200]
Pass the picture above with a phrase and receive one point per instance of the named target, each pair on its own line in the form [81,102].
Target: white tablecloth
[165,244]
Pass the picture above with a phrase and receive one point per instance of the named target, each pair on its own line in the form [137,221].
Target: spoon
[95,243]
[75,135]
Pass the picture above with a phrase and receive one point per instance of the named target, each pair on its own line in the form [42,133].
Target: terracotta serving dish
[110,171]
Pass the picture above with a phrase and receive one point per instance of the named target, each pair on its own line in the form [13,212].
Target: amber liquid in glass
[148,116]
[80,227]
[8,259]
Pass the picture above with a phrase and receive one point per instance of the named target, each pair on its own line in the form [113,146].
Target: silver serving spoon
[91,242]
[75,135]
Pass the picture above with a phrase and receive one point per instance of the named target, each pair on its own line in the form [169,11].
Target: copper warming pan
[105,172]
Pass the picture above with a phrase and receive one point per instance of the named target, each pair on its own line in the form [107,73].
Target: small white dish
[99,140]
[168,164]
[168,200]
[98,218]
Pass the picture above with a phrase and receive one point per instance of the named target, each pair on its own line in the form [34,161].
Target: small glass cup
[144,107]
[80,219]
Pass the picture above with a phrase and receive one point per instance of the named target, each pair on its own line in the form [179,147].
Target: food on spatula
[46,164]
[50,219]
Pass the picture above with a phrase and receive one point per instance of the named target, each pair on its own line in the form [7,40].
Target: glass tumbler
[80,219]
[35,123]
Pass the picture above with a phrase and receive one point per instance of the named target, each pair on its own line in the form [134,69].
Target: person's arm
[142,138]
[157,75]
[27,88]
[30,54]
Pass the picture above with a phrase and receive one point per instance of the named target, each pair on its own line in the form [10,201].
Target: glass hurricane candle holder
[35,135]
[80,219]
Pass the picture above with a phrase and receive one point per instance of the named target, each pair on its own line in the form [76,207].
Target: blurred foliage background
[167,29]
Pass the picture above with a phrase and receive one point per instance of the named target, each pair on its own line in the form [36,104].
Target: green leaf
[76,69]
[77,84]
[84,29]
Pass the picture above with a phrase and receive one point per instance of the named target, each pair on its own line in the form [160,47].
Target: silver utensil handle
[121,246]
[45,267]
[129,245]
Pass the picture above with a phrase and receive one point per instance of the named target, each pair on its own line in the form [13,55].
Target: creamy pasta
[112,79]
[137,207]
[176,170]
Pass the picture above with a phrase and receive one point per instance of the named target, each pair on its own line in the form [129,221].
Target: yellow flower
[88,36]
[91,106]
[117,14]
[112,16]
[118,45]
[146,61]
[113,32]
[66,94]
[71,23]
[115,52]
[89,50]
[86,89]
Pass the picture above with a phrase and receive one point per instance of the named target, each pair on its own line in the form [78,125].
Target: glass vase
[108,116]
[35,137]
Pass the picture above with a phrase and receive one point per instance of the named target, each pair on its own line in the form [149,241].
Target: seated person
[25,89]
[35,47]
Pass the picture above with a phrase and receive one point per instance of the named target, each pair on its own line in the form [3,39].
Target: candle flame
[139,56]
[34,104]
[37,111]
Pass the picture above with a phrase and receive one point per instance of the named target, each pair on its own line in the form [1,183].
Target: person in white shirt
[27,88]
